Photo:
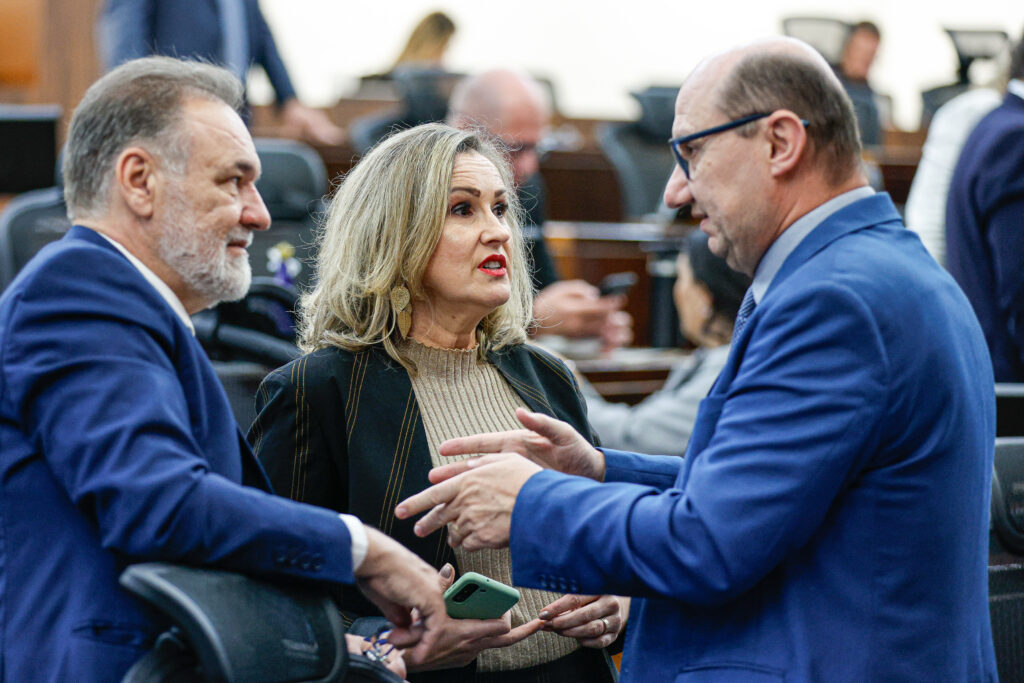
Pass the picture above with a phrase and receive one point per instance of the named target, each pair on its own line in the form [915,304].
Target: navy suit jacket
[119,445]
[829,521]
[189,29]
[985,232]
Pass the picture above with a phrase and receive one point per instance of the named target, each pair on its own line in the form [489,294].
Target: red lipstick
[493,265]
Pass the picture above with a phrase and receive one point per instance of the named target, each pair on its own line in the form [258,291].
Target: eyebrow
[473,191]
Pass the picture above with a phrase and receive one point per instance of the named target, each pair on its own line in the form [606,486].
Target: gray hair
[382,227]
[765,82]
[138,102]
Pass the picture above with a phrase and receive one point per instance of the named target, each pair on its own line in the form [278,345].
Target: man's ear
[135,177]
[788,139]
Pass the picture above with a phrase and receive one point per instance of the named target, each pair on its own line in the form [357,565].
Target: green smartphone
[474,596]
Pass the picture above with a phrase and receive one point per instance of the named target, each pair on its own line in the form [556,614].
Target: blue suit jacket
[829,521]
[189,29]
[985,232]
[119,445]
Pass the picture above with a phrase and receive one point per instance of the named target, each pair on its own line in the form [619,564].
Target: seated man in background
[707,296]
[830,519]
[119,444]
[512,108]
[232,33]
[858,55]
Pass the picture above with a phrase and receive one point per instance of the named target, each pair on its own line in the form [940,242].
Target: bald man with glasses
[829,521]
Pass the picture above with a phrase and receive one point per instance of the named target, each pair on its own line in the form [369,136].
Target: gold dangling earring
[400,303]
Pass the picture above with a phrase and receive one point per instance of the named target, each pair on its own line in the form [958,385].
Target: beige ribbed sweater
[458,396]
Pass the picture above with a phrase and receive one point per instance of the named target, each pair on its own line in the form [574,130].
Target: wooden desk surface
[629,375]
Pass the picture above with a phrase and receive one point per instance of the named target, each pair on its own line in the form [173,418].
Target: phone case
[489,600]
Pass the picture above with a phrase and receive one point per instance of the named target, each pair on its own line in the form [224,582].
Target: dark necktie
[746,310]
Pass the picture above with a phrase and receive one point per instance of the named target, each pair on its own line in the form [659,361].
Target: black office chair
[1009,409]
[639,151]
[970,45]
[424,94]
[293,185]
[825,34]
[1006,580]
[27,224]
[230,628]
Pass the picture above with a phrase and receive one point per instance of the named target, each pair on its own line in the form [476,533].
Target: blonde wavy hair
[381,229]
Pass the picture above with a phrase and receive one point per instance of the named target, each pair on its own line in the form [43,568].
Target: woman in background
[707,296]
[427,43]
[416,333]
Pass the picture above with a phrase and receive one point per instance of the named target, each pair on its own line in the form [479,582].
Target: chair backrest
[972,44]
[642,165]
[27,224]
[826,35]
[1009,409]
[240,380]
[294,178]
[1006,579]
[244,629]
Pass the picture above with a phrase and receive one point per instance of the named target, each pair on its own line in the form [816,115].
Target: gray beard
[202,260]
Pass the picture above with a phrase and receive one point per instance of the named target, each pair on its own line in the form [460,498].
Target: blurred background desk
[629,375]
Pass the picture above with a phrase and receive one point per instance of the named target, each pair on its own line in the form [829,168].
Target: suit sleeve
[266,55]
[1005,227]
[796,425]
[89,372]
[291,443]
[125,31]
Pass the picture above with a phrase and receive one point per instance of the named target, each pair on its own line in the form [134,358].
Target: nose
[255,215]
[496,232]
[677,191]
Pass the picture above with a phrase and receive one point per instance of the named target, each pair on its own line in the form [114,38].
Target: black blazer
[343,431]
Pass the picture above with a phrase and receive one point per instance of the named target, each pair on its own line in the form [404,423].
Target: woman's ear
[135,177]
[788,139]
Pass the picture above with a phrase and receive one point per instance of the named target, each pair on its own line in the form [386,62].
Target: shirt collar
[792,236]
[159,285]
[1016,86]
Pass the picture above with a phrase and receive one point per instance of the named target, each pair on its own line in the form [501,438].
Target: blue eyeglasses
[677,143]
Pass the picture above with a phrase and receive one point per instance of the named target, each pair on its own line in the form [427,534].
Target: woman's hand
[461,640]
[593,620]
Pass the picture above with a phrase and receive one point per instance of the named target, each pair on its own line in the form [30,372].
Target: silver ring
[607,627]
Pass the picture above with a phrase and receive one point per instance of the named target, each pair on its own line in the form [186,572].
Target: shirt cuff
[360,543]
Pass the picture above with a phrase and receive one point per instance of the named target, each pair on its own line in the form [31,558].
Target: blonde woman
[414,334]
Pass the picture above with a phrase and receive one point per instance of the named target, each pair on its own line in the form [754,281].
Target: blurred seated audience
[232,33]
[512,107]
[707,296]
[416,333]
[854,67]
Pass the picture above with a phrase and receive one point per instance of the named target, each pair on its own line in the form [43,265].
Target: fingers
[427,499]
[453,469]
[493,442]
[565,603]
[446,576]
[433,520]
[554,430]
[595,623]
[515,635]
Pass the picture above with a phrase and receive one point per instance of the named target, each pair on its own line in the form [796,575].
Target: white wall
[597,51]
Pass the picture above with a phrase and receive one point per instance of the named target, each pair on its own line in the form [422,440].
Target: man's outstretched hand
[475,497]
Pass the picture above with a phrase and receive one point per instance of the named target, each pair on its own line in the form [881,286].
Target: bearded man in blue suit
[829,520]
[119,444]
